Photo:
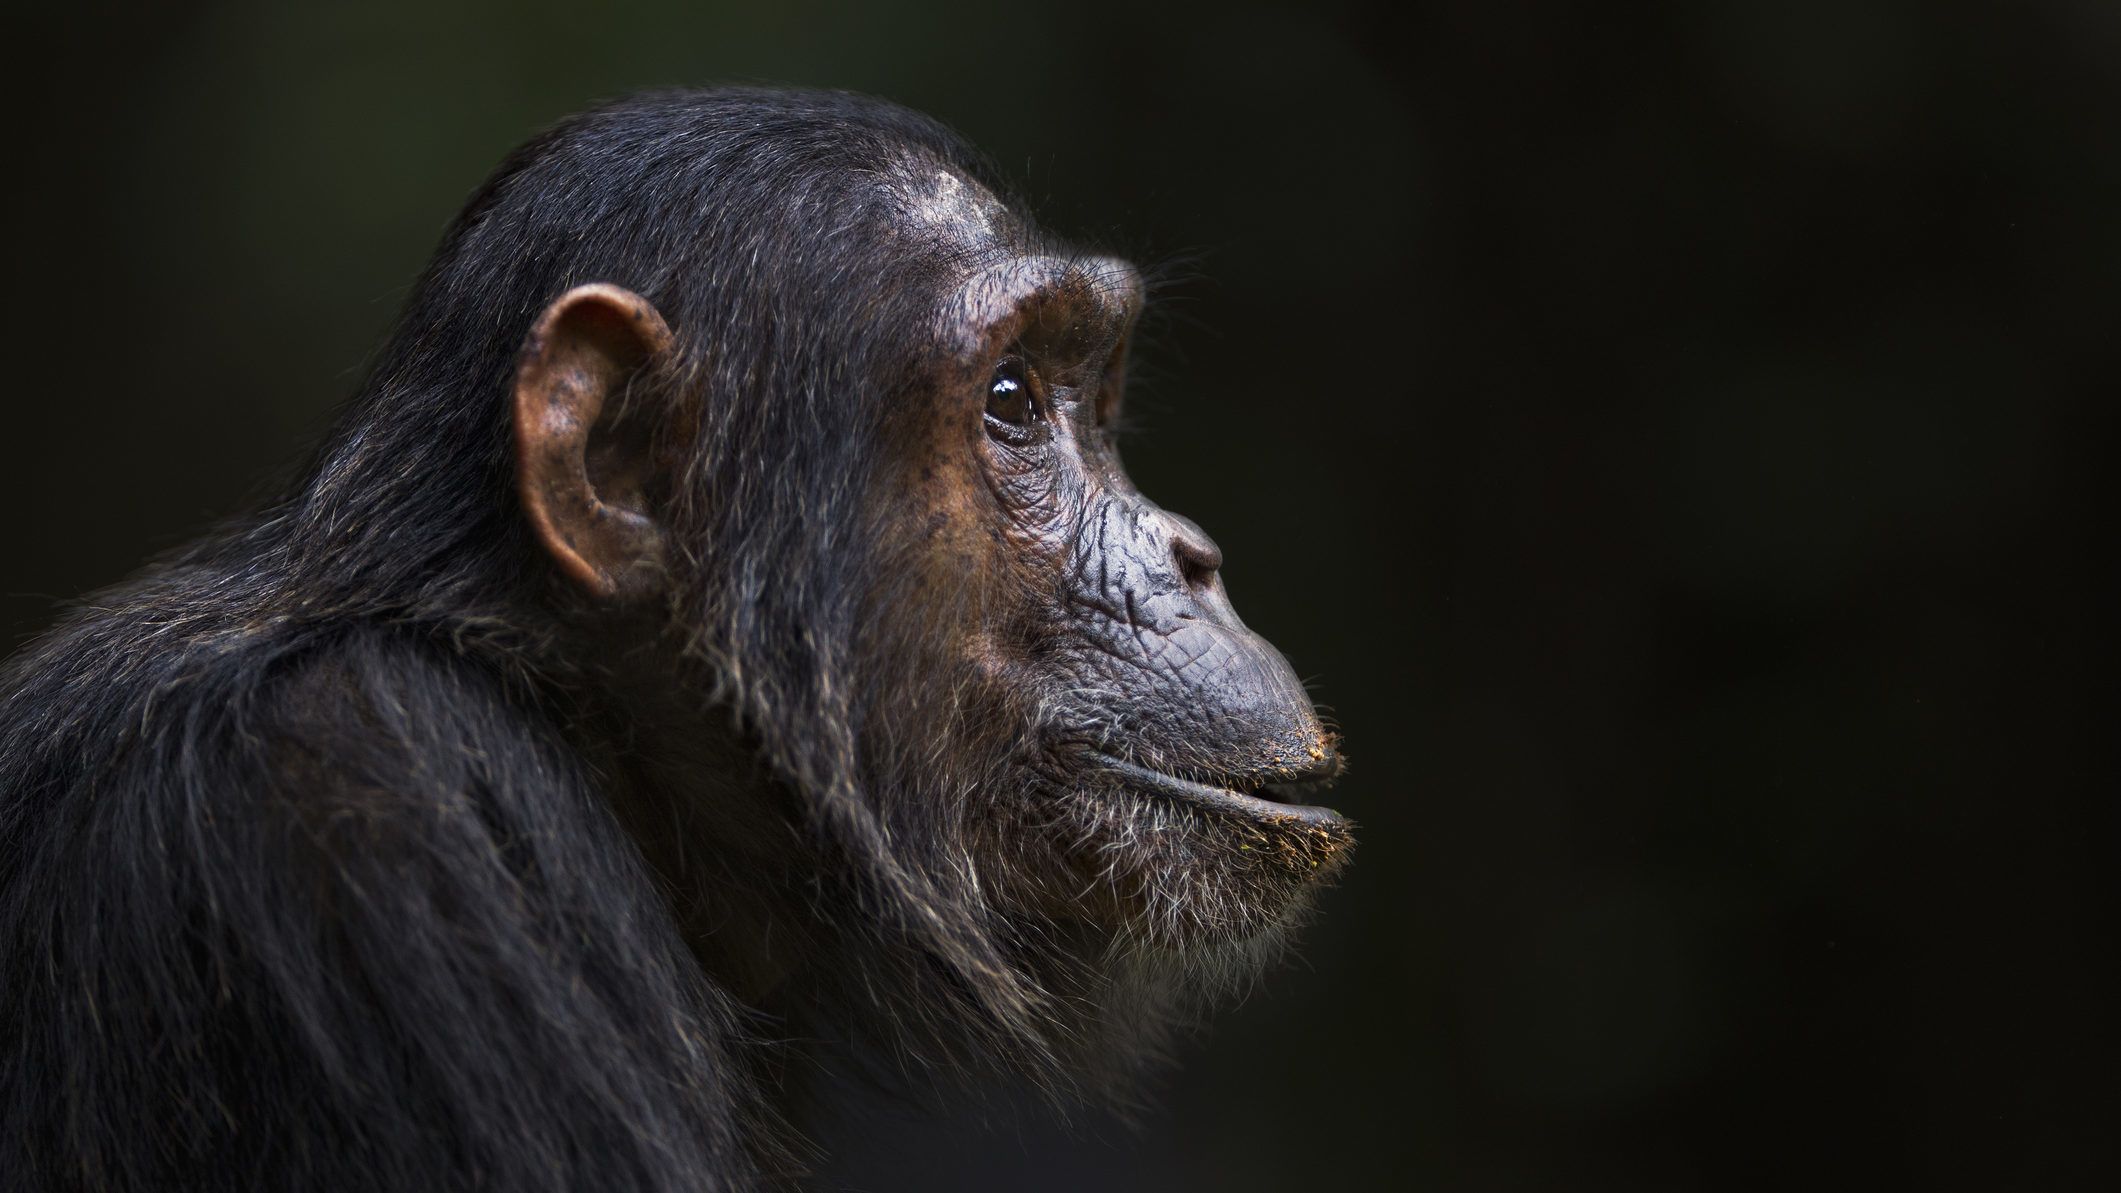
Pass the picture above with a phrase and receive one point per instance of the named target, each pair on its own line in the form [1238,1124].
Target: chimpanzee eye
[1009,397]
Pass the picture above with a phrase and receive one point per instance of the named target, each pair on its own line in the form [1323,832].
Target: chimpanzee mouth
[1271,795]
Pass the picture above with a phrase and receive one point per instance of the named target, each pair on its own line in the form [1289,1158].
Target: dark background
[1667,433]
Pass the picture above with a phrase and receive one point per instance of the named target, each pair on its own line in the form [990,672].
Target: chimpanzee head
[814,431]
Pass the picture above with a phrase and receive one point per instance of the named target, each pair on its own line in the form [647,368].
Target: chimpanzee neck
[723,837]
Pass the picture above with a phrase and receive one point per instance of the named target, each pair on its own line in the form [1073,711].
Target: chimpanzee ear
[583,453]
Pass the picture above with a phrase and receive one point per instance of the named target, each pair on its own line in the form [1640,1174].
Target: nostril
[1198,556]
[1198,567]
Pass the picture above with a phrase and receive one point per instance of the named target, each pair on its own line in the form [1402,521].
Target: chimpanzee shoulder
[335,904]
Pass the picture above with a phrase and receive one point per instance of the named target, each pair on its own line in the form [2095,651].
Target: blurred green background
[1669,434]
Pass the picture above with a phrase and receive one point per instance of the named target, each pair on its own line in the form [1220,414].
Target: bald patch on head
[942,200]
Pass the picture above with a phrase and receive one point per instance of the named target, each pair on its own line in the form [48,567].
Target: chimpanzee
[719,632]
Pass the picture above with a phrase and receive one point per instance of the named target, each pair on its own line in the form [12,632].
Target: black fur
[319,851]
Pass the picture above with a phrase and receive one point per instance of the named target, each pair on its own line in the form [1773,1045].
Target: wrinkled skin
[1173,743]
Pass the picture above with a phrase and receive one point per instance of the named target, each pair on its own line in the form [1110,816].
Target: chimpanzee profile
[720,621]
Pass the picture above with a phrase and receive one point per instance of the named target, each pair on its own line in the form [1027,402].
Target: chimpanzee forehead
[998,296]
[997,265]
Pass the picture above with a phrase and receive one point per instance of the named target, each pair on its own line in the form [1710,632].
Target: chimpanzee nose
[1198,556]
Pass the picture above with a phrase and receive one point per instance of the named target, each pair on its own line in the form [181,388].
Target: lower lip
[1220,799]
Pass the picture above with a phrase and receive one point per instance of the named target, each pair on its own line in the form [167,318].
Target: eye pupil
[1009,398]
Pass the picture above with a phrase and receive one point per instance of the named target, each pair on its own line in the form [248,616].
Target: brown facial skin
[1157,748]
[1173,744]
[1141,652]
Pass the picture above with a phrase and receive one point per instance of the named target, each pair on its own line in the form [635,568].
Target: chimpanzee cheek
[1043,512]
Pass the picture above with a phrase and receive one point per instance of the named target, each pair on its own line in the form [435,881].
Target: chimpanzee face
[1170,743]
